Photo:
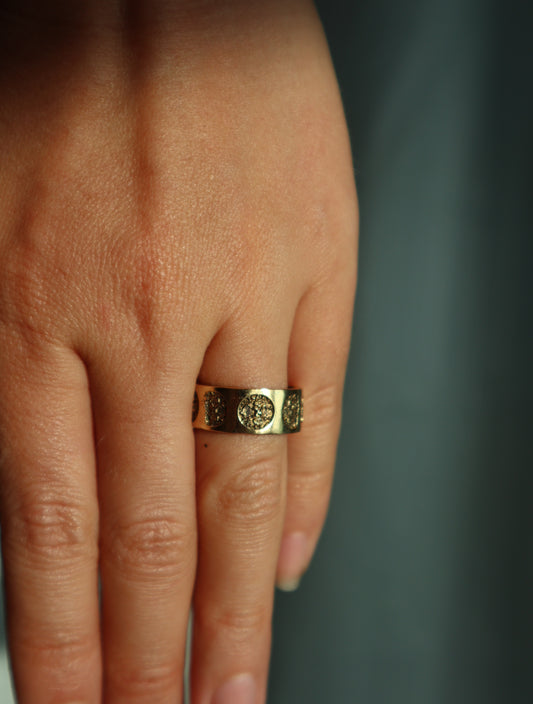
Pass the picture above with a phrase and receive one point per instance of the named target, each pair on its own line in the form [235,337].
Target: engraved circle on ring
[255,411]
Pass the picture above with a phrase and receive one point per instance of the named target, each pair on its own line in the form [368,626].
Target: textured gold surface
[255,411]
[292,410]
[250,411]
[215,409]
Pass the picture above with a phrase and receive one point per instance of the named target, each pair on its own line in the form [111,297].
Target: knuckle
[238,625]
[310,495]
[148,283]
[58,651]
[323,408]
[52,527]
[25,294]
[151,546]
[143,681]
[252,493]
[334,236]
[311,485]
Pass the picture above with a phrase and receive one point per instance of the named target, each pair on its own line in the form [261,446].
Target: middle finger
[145,454]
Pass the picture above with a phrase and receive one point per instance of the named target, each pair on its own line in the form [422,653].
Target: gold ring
[253,411]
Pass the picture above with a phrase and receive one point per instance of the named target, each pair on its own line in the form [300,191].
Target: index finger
[49,517]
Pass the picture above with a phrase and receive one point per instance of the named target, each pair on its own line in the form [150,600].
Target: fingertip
[292,561]
[288,585]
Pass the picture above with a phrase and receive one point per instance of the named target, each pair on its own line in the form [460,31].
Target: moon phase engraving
[292,410]
[215,409]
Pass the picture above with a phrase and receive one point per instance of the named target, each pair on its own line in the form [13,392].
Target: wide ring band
[251,411]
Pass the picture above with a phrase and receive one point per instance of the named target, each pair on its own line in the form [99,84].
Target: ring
[252,411]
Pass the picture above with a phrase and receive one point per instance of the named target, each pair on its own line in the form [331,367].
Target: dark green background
[421,590]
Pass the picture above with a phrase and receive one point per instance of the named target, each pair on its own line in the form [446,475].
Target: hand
[176,204]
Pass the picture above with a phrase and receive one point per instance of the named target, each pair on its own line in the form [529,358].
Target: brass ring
[251,411]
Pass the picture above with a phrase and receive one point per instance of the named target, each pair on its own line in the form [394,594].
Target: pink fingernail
[292,561]
[238,690]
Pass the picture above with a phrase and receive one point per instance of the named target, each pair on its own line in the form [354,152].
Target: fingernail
[291,561]
[239,690]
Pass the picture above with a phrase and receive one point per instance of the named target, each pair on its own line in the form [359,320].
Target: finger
[318,356]
[145,454]
[49,515]
[240,504]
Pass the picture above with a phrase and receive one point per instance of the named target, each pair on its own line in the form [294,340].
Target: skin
[176,204]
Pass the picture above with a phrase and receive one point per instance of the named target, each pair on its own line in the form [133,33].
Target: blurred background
[421,589]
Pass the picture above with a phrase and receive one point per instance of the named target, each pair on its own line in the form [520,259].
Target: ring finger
[240,504]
